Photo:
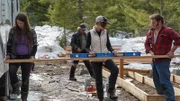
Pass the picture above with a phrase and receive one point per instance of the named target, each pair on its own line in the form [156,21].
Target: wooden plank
[131,88]
[68,48]
[136,76]
[138,70]
[127,61]
[146,57]
[150,82]
[176,78]
[102,59]
[121,68]
[177,91]
[36,60]
[131,74]
[116,47]
[156,97]
[141,95]
[172,78]
[106,74]
[145,61]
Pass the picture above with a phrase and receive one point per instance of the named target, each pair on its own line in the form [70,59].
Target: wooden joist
[175,78]
[156,97]
[136,76]
[141,71]
[149,81]
[141,95]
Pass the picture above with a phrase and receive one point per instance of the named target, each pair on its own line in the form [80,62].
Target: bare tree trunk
[161,7]
[65,40]
[80,9]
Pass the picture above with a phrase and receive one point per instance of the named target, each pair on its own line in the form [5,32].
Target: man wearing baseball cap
[102,19]
[78,44]
[98,42]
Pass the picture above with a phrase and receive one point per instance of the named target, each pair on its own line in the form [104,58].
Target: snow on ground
[48,41]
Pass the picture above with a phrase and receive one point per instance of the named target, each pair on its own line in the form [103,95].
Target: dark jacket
[11,44]
[76,42]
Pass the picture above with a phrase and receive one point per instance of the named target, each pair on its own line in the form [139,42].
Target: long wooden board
[94,59]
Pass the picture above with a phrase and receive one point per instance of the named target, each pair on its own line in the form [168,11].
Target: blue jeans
[161,78]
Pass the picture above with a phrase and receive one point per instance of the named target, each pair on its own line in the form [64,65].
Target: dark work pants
[25,68]
[111,66]
[87,64]
[2,85]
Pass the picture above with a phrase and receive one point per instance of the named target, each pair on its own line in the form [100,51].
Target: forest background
[124,15]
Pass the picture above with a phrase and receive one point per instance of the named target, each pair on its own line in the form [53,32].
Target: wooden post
[121,68]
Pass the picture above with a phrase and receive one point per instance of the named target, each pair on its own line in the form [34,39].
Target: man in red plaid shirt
[159,41]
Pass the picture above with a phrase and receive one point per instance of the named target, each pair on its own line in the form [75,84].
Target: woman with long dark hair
[22,44]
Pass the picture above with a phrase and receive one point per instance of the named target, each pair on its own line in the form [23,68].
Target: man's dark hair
[157,17]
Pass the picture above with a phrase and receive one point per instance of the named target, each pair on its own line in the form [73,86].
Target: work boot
[24,96]
[16,89]
[101,100]
[3,98]
[111,95]
[72,79]
[72,72]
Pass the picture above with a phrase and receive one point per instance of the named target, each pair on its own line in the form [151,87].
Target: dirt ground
[53,84]
[146,88]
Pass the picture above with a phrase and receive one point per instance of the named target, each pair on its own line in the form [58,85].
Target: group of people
[159,41]
[22,44]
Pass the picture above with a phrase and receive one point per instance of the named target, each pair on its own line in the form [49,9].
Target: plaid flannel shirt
[164,41]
